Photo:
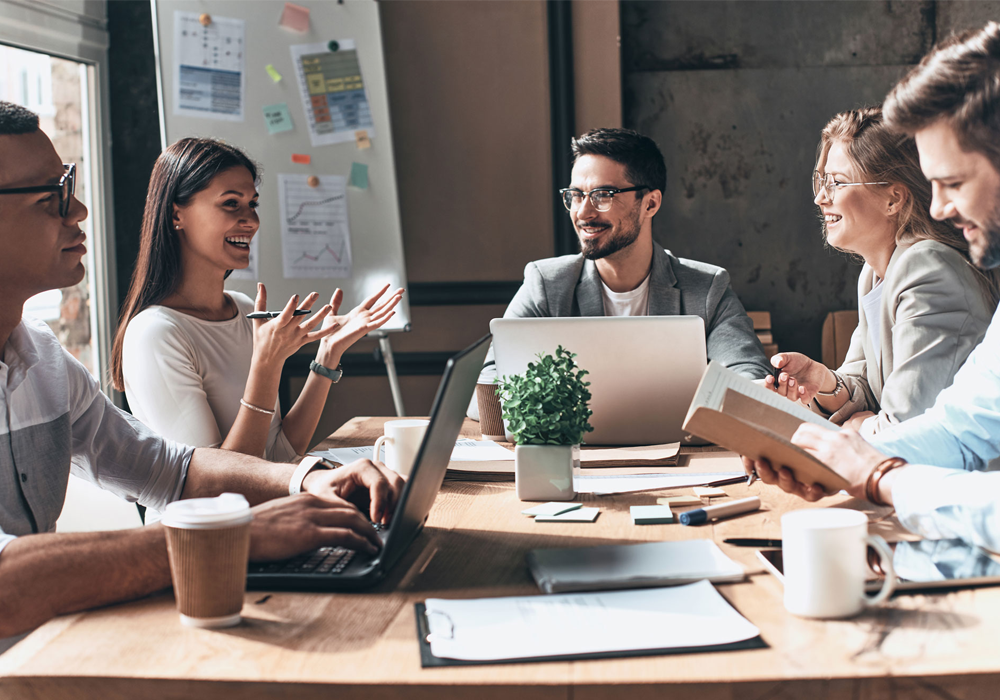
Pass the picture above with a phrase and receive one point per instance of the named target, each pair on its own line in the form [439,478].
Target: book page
[717,379]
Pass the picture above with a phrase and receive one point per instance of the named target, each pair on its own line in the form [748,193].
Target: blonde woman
[922,305]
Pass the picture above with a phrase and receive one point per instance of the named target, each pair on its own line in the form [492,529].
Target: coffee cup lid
[201,513]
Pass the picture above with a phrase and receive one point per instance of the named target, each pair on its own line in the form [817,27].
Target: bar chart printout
[315,234]
[333,91]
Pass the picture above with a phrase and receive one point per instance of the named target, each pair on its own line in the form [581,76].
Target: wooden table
[363,645]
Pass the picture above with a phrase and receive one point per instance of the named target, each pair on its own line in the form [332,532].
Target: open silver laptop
[644,370]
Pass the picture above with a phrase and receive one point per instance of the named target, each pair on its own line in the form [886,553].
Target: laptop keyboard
[325,560]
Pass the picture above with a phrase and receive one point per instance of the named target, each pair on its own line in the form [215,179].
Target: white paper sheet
[209,67]
[582,623]
[333,92]
[465,451]
[315,233]
[602,485]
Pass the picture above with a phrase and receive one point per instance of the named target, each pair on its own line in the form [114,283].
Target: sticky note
[277,118]
[275,75]
[361,140]
[580,515]
[679,501]
[295,17]
[708,492]
[359,176]
[553,508]
[303,158]
[651,515]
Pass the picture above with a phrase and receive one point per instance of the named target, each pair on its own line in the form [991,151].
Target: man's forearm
[45,575]
[212,472]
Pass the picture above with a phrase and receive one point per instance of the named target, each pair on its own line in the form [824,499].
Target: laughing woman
[193,366]
[922,306]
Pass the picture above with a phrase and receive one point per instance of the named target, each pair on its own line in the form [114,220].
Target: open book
[744,417]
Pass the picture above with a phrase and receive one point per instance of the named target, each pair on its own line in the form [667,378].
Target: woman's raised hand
[800,376]
[275,340]
[364,318]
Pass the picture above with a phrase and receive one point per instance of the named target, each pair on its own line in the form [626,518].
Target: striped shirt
[54,420]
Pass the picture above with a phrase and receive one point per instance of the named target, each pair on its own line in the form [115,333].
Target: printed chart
[315,234]
[333,91]
[209,78]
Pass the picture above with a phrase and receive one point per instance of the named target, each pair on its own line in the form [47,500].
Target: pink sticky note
[303,158]
[295,17]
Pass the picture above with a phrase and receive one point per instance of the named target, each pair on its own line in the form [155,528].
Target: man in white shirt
[54,419]
[615,190]
[950,104]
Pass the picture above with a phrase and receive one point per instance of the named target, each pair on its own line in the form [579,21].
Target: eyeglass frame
[67,185]
[609,190]
[826,188]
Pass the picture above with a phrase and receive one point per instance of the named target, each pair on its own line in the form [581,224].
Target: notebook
[631,566]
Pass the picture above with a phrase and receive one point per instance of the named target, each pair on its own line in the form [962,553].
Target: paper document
[333,91]
[465,451]
[584,623]
[605,485]
[315,234]
[651,455]
[209,75]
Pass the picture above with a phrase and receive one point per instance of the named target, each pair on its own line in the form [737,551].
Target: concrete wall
[736,93]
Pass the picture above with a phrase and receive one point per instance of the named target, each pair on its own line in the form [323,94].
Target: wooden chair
[837,331]
[762,326]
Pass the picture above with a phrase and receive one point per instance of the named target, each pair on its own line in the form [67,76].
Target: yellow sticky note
[708,492]
[275,75]
[362,140]
[678,501]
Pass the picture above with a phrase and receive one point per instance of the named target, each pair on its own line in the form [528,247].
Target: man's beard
[985,251]
[625,236]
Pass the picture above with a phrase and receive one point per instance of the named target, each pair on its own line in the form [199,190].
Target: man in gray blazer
[616,189]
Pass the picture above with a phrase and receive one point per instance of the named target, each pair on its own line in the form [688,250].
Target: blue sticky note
[359,176]
[277,118]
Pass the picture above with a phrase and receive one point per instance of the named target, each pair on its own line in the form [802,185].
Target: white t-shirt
[184,377]
[872,304]
[634,303]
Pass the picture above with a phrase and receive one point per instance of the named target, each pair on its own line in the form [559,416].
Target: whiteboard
[376,246]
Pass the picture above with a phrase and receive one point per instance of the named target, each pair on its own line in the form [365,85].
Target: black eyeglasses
[66,188]
[601,197]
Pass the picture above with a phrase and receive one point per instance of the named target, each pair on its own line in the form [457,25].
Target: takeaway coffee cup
[490,413]
[208,542]
[402,441]
[824,551]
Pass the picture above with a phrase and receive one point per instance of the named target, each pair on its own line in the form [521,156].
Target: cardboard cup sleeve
[209,571]
[490,414]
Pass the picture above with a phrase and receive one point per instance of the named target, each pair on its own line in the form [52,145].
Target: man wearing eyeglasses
[616,189]
[53,417]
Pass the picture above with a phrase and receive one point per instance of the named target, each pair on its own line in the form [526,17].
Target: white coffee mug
[402,441]
[823,551]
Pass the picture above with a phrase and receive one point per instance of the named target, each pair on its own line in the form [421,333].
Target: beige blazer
[933,315]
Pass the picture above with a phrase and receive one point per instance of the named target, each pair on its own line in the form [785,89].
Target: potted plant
[546,411]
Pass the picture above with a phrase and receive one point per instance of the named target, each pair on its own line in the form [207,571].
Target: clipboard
[428,660]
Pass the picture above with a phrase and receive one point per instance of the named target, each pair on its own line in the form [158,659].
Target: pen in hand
[275,314]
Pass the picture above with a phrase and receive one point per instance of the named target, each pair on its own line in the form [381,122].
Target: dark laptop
[336,568]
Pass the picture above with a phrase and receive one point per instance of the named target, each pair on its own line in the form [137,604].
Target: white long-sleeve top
[184,377]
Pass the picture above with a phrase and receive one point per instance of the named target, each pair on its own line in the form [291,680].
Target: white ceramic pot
[544,472]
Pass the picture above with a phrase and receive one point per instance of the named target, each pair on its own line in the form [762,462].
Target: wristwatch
[840,385]
[333,375]
[308,464]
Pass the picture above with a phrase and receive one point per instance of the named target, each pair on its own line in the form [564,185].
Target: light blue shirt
[962,429]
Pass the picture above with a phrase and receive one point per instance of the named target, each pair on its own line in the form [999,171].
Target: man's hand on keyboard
[291,525]
[367,485]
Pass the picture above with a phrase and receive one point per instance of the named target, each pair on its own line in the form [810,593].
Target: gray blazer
[933,315]
[570,286]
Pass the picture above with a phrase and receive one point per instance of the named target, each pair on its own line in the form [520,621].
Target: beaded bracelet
[880,470]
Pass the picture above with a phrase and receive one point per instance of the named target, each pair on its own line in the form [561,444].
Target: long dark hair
[182,171]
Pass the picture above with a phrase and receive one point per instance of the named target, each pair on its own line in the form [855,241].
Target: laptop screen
[431,464]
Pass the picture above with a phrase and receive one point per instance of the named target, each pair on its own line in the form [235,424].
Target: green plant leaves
[548,404]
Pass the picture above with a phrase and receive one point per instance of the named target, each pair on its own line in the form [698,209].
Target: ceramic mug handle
[378,447]
[885,562]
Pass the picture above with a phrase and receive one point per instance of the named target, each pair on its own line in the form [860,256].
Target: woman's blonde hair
[881,155]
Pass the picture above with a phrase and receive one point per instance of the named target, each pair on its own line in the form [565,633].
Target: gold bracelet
[880,470]
[258,409]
